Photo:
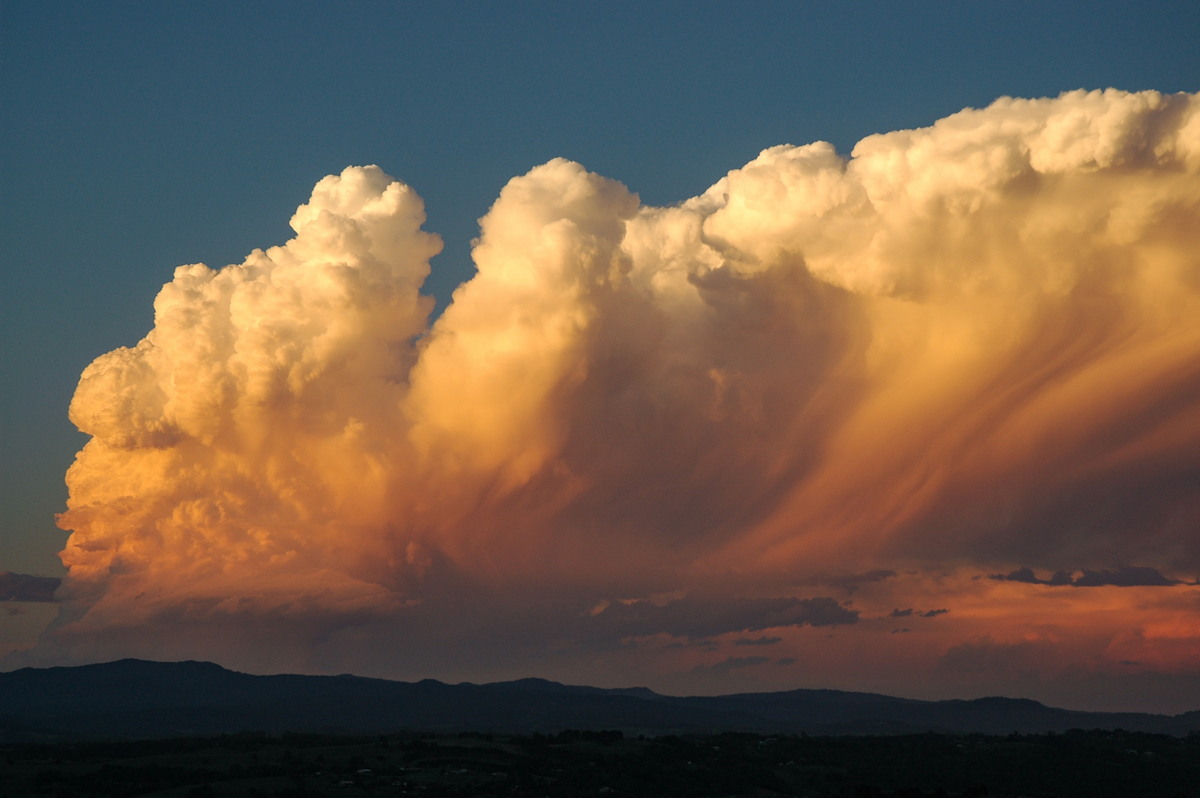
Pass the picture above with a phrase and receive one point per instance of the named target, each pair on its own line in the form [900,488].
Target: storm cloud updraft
[816,409]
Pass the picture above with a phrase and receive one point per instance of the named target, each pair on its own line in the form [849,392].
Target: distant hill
[137,699]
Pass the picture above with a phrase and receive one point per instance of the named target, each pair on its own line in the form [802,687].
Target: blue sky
[141,136]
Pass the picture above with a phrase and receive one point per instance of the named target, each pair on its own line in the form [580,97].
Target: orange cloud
[964,350]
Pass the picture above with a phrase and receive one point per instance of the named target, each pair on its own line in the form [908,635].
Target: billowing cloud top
[970,346]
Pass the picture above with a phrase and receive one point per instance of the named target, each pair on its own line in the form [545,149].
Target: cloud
[709,615]
[757,641]
[1020,575]
[852,582]
[971,345]
[23,587]
[1125,576]
[910,612]
[730,664]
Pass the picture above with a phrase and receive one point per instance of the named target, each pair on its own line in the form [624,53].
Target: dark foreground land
[582,763]
[135,699]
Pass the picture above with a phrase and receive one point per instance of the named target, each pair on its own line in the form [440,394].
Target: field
[575,763]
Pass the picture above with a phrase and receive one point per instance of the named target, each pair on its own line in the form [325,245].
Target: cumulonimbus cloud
[973,344]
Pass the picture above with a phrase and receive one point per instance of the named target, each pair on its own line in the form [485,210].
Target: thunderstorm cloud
[964,349]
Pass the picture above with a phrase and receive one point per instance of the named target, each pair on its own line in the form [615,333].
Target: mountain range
[133,699]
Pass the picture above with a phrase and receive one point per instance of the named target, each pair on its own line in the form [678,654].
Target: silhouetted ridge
[138,699]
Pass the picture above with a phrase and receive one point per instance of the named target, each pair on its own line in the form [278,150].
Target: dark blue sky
[141,136]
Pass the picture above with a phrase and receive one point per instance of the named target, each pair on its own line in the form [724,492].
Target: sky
[710,347]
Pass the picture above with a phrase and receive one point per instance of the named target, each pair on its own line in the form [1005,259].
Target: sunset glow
[922,419]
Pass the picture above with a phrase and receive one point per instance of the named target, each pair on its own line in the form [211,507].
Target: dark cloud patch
[1128,576]
[910,612]
[730,664]
[699,616]
[23,587]
[705,644]
[786,661]
[1125,576]
[758,641]
[851,582]
[1020,575]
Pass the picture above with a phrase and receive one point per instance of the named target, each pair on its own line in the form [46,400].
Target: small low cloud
[24,587]
[758,641]
[730,664]
[1128,576]
[910,613]
[1125,576]
[700,616]
[852,582]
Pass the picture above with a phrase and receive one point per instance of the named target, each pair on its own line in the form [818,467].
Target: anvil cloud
[823,390]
